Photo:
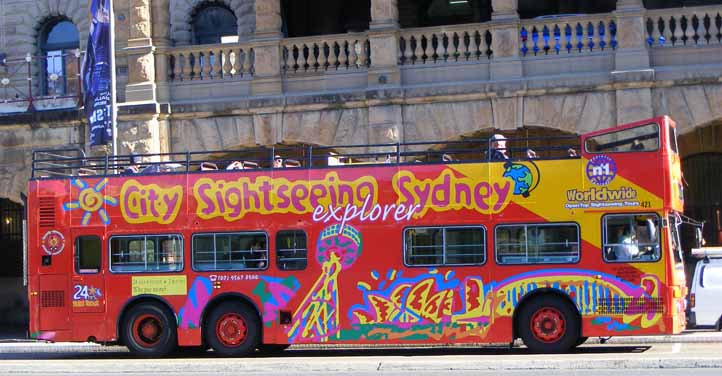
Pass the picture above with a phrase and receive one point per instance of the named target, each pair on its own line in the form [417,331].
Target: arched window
[212,22]
[58,42]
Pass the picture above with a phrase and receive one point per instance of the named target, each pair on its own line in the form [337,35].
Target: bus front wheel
[232,329]
[149,331]
[549,324]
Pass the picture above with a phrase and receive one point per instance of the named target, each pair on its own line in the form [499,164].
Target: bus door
[88,278]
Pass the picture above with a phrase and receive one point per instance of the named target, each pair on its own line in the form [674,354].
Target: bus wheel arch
[548,321]
[148,327]
[232,325]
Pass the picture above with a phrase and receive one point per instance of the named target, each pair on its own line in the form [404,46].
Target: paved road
[52,359]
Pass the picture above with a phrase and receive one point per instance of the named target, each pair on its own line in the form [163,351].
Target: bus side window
[631,238]
[87,254]
[291,250]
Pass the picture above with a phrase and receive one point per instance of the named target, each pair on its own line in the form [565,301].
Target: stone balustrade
[325,53]
[684,27]
[210,62]
[445,44]
[567,34]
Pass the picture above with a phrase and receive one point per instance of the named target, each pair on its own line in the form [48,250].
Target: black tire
[149,331]
[548,324]
[581,341]
[232,329]
[272,348]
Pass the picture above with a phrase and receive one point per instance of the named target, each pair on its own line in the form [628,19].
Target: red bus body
[361,283]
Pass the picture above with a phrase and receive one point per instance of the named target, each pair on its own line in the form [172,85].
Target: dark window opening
[291,250]
[214,23]
[555,8]
[87,254]
[537,244]
[423,13]
[321,17]
[58,43]
[11,238]
[230,251]
[662,4]
[428,246]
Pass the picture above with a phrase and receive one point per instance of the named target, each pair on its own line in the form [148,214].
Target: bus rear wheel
[149,331]
[232,329]
[548,325]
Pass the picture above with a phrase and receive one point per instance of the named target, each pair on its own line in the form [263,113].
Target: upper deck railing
[71,162]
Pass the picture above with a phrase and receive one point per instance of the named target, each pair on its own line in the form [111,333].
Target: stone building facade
[381,71]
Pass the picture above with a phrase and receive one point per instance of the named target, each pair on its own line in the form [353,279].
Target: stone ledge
[49,116]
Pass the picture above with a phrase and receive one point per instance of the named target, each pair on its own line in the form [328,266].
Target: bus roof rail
[707,252]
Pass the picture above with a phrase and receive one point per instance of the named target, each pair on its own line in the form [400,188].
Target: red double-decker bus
[403,243]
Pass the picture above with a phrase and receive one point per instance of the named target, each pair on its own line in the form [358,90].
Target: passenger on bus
[498,148]
[531,154]
[572,153]
[133,166]
[258,254]
[277,161]
[235,165]
[208,166]
[637,145]
[626,248]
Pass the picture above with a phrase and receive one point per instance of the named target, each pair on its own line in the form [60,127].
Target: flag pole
[113,102]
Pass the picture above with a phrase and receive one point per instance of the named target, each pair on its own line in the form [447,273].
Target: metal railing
[26,85]
[52,163]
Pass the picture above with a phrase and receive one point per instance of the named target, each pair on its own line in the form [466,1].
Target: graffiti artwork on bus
[432,305]
[317,317]
[189,316]
[274,293]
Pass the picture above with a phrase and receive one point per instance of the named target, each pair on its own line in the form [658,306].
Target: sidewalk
[20,344]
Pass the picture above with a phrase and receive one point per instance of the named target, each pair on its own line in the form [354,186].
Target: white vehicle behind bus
[705,299]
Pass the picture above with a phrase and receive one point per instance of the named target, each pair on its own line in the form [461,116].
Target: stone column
[632,74]
[267,48]
[384,42]
[141,62]
[160,12]
[632,53]
[505,61]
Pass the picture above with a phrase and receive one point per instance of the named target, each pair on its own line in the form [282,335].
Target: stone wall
[17,141]
[351,120]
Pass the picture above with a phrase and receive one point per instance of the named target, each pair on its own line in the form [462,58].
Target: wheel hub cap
[231,330]
[548,325]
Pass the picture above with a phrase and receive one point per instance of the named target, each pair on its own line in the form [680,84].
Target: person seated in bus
[258,255]
[133,166]
[531,154]
[498,148]
[447,158]
[208,166]
[152,169]
[626,246]
[235,165]
[571,152]
[277,161]
[636,145]
[291,163]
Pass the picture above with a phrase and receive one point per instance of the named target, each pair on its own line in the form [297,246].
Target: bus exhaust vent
[46,208]
[52,299]
[629,306]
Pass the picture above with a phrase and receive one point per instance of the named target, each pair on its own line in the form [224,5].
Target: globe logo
[601,170]
[521,176]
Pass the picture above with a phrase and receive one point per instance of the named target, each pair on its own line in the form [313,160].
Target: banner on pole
[97,70]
